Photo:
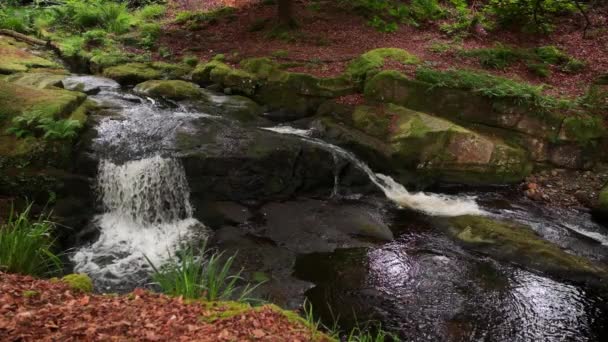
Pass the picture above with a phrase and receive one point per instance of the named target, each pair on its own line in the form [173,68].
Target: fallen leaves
[61,315]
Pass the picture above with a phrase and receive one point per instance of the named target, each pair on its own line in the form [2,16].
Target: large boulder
[170,89]
[401,140]
[520,244]
[512,110]
[236,107]
[224,161]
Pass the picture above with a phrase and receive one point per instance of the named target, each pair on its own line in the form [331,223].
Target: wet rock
[227,162]
[170,89]
[235,107]
[520,244]
[89,84]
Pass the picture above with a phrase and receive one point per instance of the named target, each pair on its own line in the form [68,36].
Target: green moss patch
[16,58]
[373,61]
[79,282]
[40,80]
[134,73]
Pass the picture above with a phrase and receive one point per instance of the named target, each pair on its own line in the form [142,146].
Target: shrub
[26,245]
[534,15]
[16,19]
[35,124]
[498,57]
[201,274]
[190,60]
[151,12]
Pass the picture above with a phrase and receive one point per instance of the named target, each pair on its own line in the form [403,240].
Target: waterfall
[147,213]
[432,204]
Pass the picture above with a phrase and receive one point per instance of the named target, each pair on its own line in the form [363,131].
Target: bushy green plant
[498,57]
[26,244]
[535,15]
[34,123]
[150,32]
[150,12]
[190,60]
[196,19]
[86,14]
[16,19]
[201,273]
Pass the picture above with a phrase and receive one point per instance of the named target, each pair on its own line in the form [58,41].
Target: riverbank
[41,310]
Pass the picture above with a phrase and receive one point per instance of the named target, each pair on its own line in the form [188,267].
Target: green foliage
[16,19]
[190,60]
[26,245]
[195,20]
[490,86]
[386,15]
[538,59]
[533,15]
[150,32]
[540,69]
[87,14]
[151,12]
[368,332]
[34,123]
[200,273]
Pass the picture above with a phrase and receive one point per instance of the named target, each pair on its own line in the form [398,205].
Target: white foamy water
[147,214]
[432,204]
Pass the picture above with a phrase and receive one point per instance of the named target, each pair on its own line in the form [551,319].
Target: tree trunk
[285,8]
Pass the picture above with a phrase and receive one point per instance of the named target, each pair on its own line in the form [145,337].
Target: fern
[59,129]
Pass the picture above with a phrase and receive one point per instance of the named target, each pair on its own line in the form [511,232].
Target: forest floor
[328,37]
[41,310]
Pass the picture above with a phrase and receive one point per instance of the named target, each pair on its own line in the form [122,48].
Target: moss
[79,282]
[519,243]
[371,121]
[262,67]
[583,129]
[220,73]
[372,61]
[16,58]
[40,80]
[30,293]
[171,89]
[56,103]
[132,73]
[223,310]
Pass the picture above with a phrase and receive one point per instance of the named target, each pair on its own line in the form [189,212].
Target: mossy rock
[520,244]
[56,103]
[602,204]
[40,80]
[239,81]
[433,146]
[79,282]
[134,73]
[373,61]
[237,107]
[171,89]
[16,57]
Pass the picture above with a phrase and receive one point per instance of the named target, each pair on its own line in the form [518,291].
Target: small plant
[150,12]
[191,60]
[498,57]
[26,245]
[59,129]
[280,54]
[200,273]
[540,69]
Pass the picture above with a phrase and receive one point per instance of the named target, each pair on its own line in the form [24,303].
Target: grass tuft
[26,245]
[201,273]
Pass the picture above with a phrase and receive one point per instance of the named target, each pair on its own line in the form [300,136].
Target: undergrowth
[492,86]
[202,273]
[34,123]
[26,244]
[538,60]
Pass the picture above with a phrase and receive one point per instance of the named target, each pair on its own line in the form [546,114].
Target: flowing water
[412,277]
[432,204]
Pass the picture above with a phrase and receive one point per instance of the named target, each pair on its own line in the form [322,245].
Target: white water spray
[432,204]
[147,214]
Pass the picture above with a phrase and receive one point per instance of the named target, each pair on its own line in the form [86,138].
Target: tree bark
[285,11]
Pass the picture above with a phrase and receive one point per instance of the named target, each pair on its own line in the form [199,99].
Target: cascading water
[147,215]
[432,204]
[144,196]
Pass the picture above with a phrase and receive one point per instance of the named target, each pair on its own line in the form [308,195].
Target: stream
[362,249]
